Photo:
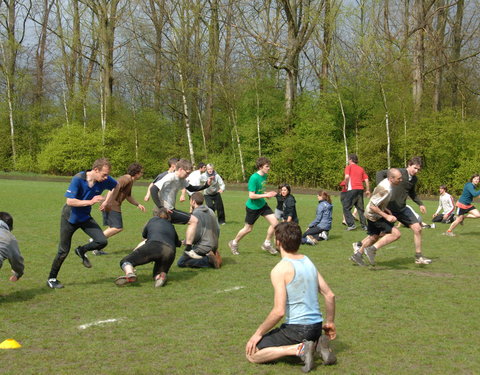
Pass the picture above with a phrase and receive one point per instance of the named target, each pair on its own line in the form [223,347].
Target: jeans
[350,199]
[158,252]
[186,261]
[215,203]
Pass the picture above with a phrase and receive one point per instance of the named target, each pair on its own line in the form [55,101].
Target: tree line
[304,82]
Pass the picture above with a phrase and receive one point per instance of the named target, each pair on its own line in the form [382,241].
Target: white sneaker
[192,254]
[356,246]
[324,235]
[269,248]
[422,260]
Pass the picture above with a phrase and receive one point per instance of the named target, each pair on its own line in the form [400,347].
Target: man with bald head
[379,220]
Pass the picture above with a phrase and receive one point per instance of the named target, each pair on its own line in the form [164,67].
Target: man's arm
[329,321]
[73,202]
[147,196]
[16,261]
[278,311]
[367,187]
[154,190]
[385,215]
[111,195]
[268,194]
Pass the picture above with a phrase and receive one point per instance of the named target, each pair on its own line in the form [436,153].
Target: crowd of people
[295,279]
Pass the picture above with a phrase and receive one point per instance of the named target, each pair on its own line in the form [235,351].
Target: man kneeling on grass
[204,251]
[159,248]
[296,283]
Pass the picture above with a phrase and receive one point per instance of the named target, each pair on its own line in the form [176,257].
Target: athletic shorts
[464,211]
[406,216]
[289,334]
[252,215]
[374,228]
[112,219]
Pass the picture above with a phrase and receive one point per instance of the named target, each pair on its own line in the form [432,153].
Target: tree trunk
[439,55]
[456,50]
[418,56]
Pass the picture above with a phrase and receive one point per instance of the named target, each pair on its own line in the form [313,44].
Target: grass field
[396,318]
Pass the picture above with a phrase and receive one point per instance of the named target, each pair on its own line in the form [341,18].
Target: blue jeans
[186,261]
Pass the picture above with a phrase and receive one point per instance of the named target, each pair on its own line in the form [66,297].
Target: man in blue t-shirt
[84,191]
[296,284]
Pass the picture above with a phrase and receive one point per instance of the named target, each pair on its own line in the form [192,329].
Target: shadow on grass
[398,264]
[23,295]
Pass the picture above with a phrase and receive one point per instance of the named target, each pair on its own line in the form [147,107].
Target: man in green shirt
[257,206]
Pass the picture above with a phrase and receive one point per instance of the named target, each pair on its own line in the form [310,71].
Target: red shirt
[357,176]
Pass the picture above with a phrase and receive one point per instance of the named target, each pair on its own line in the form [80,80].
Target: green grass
[398,318]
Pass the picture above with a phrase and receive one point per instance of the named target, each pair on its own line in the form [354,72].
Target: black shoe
[54,284]
[84,258]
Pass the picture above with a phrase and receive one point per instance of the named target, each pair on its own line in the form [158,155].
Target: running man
[379,220]
[398,203]
[84,191]
[171,168]
[296,284]
[256,206]
[464,204]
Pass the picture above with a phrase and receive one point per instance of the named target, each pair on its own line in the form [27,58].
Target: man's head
[443,189]
[394,176]
[353,158]
[183,168]
[263,164]
[202,167]
[135,170]
[288,236]
[414,165]
[163,213]
[100,169]
[172,163]
[7,219]
[196,199]
[210,168]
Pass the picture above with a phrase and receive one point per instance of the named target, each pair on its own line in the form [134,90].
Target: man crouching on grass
[296,283]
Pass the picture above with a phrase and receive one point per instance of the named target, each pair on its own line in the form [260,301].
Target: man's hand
[97,199]
[423,209]
[141,208]
[210,180]
[368,194]
[330,330]
[391,218]
[14,277]
[251,347]
[271,194]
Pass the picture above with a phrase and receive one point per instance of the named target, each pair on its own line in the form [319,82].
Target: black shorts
[464,211]
[289,334]
[406,216]
[112,219]
[252,215]
[374,228]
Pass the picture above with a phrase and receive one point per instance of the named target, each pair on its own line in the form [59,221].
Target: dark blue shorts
[112,219]
[374,228]
[406,216]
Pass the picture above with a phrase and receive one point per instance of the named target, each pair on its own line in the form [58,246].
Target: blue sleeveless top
[302,293]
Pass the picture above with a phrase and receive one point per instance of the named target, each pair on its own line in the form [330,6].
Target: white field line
[98,323]
[231,289]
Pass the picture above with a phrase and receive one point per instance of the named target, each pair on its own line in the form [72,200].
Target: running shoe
[356,246]
[192,254]
[324,351]
[54,284]
[422,260]
[311,240]
[358,259]
[370,252]
[270,249]
[307,355]
[99,252]
[449,234]
[83,257]
[233,247]
[160,280]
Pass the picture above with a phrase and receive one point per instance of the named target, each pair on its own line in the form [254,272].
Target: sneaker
[449,234]
[356,246]
[270,249]
[233,247]
[83,257]
[422,260]
[353,227]
[324,235]
[160,280]
[214,259]
[307,355]
[427,226]
[192,254]
[324,351]
[99,252]
[370,252]
[311,240]
[358,259]
[124,280]
[54,284]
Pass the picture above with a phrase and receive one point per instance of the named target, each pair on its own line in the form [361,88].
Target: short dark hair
[261,161]
[353,157]
[134,169]
[201,165]
[100,163]
[198,198]
[172,162]
[7,218]
[184,164]
[473,176]
[444,187]
[163,213]
[289,235]
[416,160]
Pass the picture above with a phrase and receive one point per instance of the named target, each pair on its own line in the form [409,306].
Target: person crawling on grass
[204,252]
[9,247]
[161,239]
[296,283]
